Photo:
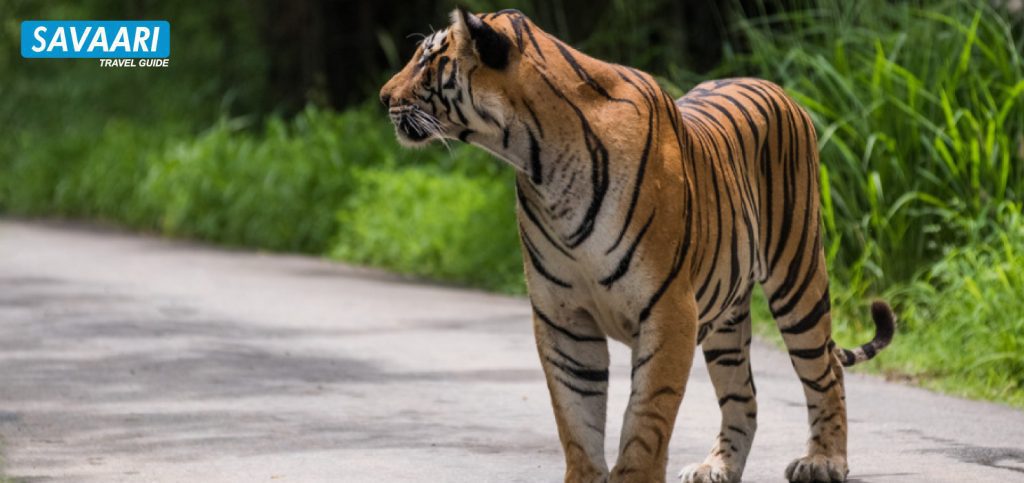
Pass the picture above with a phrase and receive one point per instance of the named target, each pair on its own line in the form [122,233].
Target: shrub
[276,189]
[962,319]
[433,223]
[919,111]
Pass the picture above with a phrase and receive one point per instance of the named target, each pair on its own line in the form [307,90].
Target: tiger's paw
[817,468]
[709,473]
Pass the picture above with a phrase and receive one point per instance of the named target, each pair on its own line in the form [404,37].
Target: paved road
[139,359]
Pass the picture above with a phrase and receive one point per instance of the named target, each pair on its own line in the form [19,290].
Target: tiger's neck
[582,150]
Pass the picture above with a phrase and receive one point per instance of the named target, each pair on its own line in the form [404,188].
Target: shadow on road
[162,379]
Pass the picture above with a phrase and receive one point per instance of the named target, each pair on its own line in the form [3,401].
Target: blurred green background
[264,132]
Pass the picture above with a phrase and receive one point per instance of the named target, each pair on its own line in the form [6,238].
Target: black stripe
[524,205]
[809,353]
[623,265]
[703,331]
[713,354]
[677,264]
[809,276]
[849,358]
[576,389]
[816,383]
[441,63]
[740,317]
[733,397]
[536,121]
[737,429]
[642,361]
[533,40]
[718,214]
[591,375]
[567,357]
[639,180]
[730,362]
[536,171]
[458,112]
[517,27]
[642,443]
[710,303]
[599,170]
[585,76]
[541,269]
[812,318]
[566,332]
[790,187]
[796,263]
[818,387]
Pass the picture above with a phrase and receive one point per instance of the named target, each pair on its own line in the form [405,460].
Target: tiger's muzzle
[412,123]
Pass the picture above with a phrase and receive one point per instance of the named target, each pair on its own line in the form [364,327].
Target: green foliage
[79,173]
[919,113]
[320,183]
[978,292]
[962,319]
[920,120]
[434,223]
[78,138]
[277,189]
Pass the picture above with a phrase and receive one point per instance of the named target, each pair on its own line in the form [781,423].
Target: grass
[920,116]
[322,183]
[433,223]
[961,320]
[963,317]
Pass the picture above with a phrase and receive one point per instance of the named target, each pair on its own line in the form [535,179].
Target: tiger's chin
[411,138]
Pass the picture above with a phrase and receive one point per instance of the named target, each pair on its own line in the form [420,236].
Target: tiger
[648,221]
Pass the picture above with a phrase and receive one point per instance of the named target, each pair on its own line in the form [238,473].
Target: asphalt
[133,358]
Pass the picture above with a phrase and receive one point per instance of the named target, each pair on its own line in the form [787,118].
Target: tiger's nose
[385,99]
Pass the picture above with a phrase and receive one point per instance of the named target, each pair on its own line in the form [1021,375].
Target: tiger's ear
[489,45]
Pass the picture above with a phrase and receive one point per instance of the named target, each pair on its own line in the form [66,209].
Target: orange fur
[645,220]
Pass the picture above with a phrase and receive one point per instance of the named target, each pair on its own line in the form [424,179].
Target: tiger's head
[457,83]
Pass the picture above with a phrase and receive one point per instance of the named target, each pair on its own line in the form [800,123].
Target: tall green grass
[920,114]
[920,117]
[963,317]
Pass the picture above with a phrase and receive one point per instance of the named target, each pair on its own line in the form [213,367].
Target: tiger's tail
[885,327]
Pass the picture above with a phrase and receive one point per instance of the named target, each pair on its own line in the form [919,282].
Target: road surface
[132,358]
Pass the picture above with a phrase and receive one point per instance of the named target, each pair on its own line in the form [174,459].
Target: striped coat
[648,221]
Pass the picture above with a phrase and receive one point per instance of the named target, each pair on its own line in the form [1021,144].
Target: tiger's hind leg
[801,307]
[726,349]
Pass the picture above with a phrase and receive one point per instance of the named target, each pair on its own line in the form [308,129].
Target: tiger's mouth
[413,125]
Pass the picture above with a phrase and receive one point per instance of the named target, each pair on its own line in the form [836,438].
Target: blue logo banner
[95,39]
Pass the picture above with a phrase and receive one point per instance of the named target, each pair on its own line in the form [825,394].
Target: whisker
[432,126]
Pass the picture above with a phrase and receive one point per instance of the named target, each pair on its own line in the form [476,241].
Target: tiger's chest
[614,305]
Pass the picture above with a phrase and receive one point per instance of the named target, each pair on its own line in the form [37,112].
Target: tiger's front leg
[662,356]
[574,354]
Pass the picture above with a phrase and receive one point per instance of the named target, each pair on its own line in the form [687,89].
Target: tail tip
[885,320]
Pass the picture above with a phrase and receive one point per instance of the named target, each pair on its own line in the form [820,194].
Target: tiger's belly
[616,311]
[718,275]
